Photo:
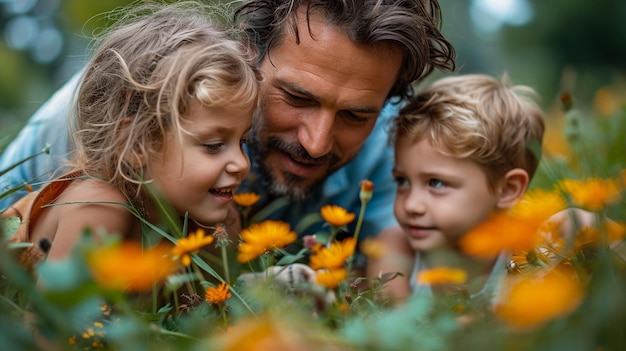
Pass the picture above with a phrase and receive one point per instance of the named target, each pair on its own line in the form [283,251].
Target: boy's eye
[401,181]
[436,183]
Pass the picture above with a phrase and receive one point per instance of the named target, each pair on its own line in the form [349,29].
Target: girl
[165,101]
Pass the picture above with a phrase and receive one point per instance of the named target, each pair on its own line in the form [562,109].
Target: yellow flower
[129,267]
[217,295]
[246,199]
[331,278]
[441,275]
[336,215]
[191,244]
[262,237]
[531,300]
[334,256]
[373,249]
[594,193]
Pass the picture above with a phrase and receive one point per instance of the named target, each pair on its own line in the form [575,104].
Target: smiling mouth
[299,167]
[419,232]
[223,191]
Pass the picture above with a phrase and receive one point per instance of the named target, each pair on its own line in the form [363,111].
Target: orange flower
[129,267]
[531,300]
[367,187]
[336,215]
[538,205]
[517,229]
[614,231]
[334,256]
[191,244]
[246,199]
[272,331]
[262,237]
[331,278]
[500,232]
[441,275]
[373,249]
[217,295]
[594,193]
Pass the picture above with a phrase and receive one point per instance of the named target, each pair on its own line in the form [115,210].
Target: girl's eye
[213,148]
[436,183]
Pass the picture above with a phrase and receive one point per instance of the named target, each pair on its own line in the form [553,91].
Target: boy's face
[439,198]
[200,173]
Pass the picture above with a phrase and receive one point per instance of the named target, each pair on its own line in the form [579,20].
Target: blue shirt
[48,126]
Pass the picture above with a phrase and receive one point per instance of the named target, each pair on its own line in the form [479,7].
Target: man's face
[320,100]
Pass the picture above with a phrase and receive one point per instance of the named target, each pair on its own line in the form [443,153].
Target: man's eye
[296,99]
[354,119]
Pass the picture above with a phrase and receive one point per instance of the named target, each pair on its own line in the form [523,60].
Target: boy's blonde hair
[139,84]
[493,123]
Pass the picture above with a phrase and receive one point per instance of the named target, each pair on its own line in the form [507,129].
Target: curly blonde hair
[141,80]
[491,122]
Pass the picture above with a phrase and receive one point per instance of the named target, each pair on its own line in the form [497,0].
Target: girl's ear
[512,188]
[135,156]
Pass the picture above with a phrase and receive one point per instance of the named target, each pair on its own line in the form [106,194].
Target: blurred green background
[553,46]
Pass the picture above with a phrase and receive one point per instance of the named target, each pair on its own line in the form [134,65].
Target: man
[333,73]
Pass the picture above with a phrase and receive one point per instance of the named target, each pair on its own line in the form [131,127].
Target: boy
[465,147]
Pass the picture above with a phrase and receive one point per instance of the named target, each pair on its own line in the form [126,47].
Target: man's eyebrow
[300,90]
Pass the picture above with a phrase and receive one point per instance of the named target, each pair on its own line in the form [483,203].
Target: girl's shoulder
[86,203]
[86,189]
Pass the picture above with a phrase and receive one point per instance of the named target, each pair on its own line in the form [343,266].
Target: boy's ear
[513,187]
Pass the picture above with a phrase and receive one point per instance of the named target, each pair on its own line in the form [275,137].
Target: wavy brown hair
[412,25]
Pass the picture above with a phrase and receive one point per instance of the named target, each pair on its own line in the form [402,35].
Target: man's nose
[316,134]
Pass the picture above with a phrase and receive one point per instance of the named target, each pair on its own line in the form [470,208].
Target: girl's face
[199,173]
[439,198]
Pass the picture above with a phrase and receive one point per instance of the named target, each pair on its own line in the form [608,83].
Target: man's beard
[296,188]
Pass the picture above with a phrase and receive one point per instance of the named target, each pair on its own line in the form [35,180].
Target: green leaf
[289,259]
[9,226]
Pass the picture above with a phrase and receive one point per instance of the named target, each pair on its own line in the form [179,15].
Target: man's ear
[512,187]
